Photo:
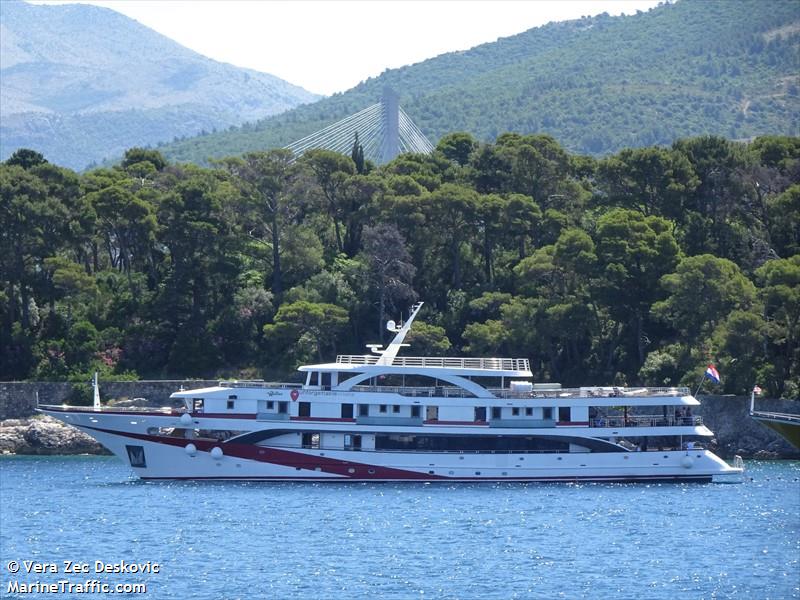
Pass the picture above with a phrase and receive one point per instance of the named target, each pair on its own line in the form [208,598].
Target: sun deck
[433,362]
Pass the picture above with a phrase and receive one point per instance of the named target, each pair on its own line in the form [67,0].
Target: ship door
[304,410]
[480,414]
[347,411]
[432,413]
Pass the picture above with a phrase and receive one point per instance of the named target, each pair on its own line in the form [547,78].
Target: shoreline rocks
[43,435]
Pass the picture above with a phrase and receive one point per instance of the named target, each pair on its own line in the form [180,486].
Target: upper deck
[433,362]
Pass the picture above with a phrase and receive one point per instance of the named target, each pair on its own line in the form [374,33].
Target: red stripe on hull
[285,458]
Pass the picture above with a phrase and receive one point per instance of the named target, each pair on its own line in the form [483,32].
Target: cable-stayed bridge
[384,131]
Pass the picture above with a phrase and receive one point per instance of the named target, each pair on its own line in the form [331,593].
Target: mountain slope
[597,84]
[80,83]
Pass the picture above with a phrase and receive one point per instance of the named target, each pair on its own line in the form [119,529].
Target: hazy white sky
[329,46]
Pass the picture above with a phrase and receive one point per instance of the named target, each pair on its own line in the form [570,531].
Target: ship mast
[388,355]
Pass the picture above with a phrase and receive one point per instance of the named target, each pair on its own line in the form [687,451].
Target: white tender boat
[384,417]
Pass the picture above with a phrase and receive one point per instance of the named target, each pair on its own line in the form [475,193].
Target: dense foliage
[634,269]
[598,85]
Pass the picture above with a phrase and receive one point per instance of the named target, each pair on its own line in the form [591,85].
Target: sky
[329,46]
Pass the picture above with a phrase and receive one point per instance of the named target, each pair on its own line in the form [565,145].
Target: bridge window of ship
[197,405]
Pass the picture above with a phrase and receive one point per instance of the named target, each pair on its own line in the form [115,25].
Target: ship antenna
[388,355]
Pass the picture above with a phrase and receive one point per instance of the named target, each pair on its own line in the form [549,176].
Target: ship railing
[592,392]
[774,415]
[260,384]
[646,421]
[489,364]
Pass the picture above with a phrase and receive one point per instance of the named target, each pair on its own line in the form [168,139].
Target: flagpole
[699,385]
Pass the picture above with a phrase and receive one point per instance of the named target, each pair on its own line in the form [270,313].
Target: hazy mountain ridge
[61,63]
[597,84]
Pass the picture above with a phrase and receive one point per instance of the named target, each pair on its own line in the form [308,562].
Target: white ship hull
[166,458]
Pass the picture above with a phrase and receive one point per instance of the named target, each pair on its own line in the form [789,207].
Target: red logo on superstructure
[294,394]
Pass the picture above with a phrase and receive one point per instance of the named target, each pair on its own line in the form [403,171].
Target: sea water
[405,540]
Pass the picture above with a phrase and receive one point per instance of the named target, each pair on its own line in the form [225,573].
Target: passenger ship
[384,417]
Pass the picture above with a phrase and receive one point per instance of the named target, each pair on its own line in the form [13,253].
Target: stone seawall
[18,399]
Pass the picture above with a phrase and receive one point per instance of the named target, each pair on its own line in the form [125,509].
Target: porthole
[624,457]
[522,458]
[318,468]
[504,473]
[477,472]
[451,472]
[665,456]
[371,471]
[297,469]
[351,470]
[430,472]
[562,458]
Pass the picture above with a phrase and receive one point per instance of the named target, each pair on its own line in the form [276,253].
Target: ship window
[310,440]
[232,397]
[230,404]
[304,409]
[547,413]
[363,410]
[480,414]
[270,404]
[563,413]
[515,411]
[495,412]
[352,442]
[283,408]
[198,404]
[415,412]
[528,411]
[395,408]
[383,408]
[347,411]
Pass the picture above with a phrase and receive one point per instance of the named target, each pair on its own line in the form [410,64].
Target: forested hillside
[80,83]
[695,67]
[635,269]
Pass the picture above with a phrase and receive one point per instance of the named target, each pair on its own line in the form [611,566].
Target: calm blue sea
[404,540]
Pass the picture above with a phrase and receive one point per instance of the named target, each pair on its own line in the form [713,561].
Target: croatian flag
[712,374]
[756,390]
